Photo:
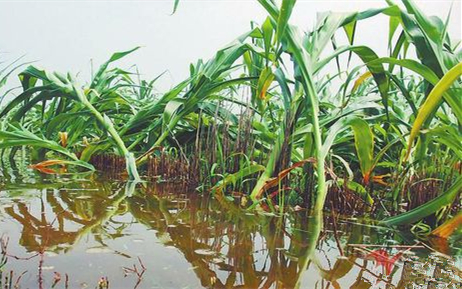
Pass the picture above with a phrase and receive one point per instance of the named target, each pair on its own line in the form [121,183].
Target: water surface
[88,229]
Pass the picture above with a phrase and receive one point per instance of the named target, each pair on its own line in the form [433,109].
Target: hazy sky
[65,35]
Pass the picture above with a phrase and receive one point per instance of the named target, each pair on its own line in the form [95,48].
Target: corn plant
[64,91]
[273,87]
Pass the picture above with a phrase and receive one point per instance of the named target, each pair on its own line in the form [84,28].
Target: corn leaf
[433,102]
[364,143]
[284,15]
[449,227]
[264,82]
[443,200]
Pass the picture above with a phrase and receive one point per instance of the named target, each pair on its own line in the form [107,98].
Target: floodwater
[72,232]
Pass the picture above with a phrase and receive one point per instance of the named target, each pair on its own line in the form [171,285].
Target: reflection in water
[64,216]
[224,248]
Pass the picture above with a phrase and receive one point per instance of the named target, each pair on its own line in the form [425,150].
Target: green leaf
[452,98]
[102,69]
[350,29]
[237,176]
[393,25]
[364,144]
[371,60]
[267,30]
[170,111]
[449,136]
[428,208]
[283,19]
[19,136]
[175,6]
[358,189]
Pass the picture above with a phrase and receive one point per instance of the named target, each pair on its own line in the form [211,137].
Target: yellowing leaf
[43,166]
[282,174]
[448,228]
[47,163]
[432,102]
[63,138]
[264,82]
[360,80]
[379,179]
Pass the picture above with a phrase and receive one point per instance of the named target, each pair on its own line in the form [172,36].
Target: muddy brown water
[82,230]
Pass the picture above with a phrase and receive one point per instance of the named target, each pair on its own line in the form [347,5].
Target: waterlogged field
[293,157]
[87,233]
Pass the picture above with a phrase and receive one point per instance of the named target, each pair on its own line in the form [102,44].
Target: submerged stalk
[313,109]
[314,229]
[269,170]
[299,54]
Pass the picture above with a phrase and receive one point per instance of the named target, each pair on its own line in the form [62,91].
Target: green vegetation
[281,117]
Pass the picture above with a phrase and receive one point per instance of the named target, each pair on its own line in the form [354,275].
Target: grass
[267,118]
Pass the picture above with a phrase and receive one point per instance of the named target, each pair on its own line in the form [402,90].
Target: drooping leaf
[449,227]
[433,101]
[233,178]
[428,208]
[282,174]
[360,80]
